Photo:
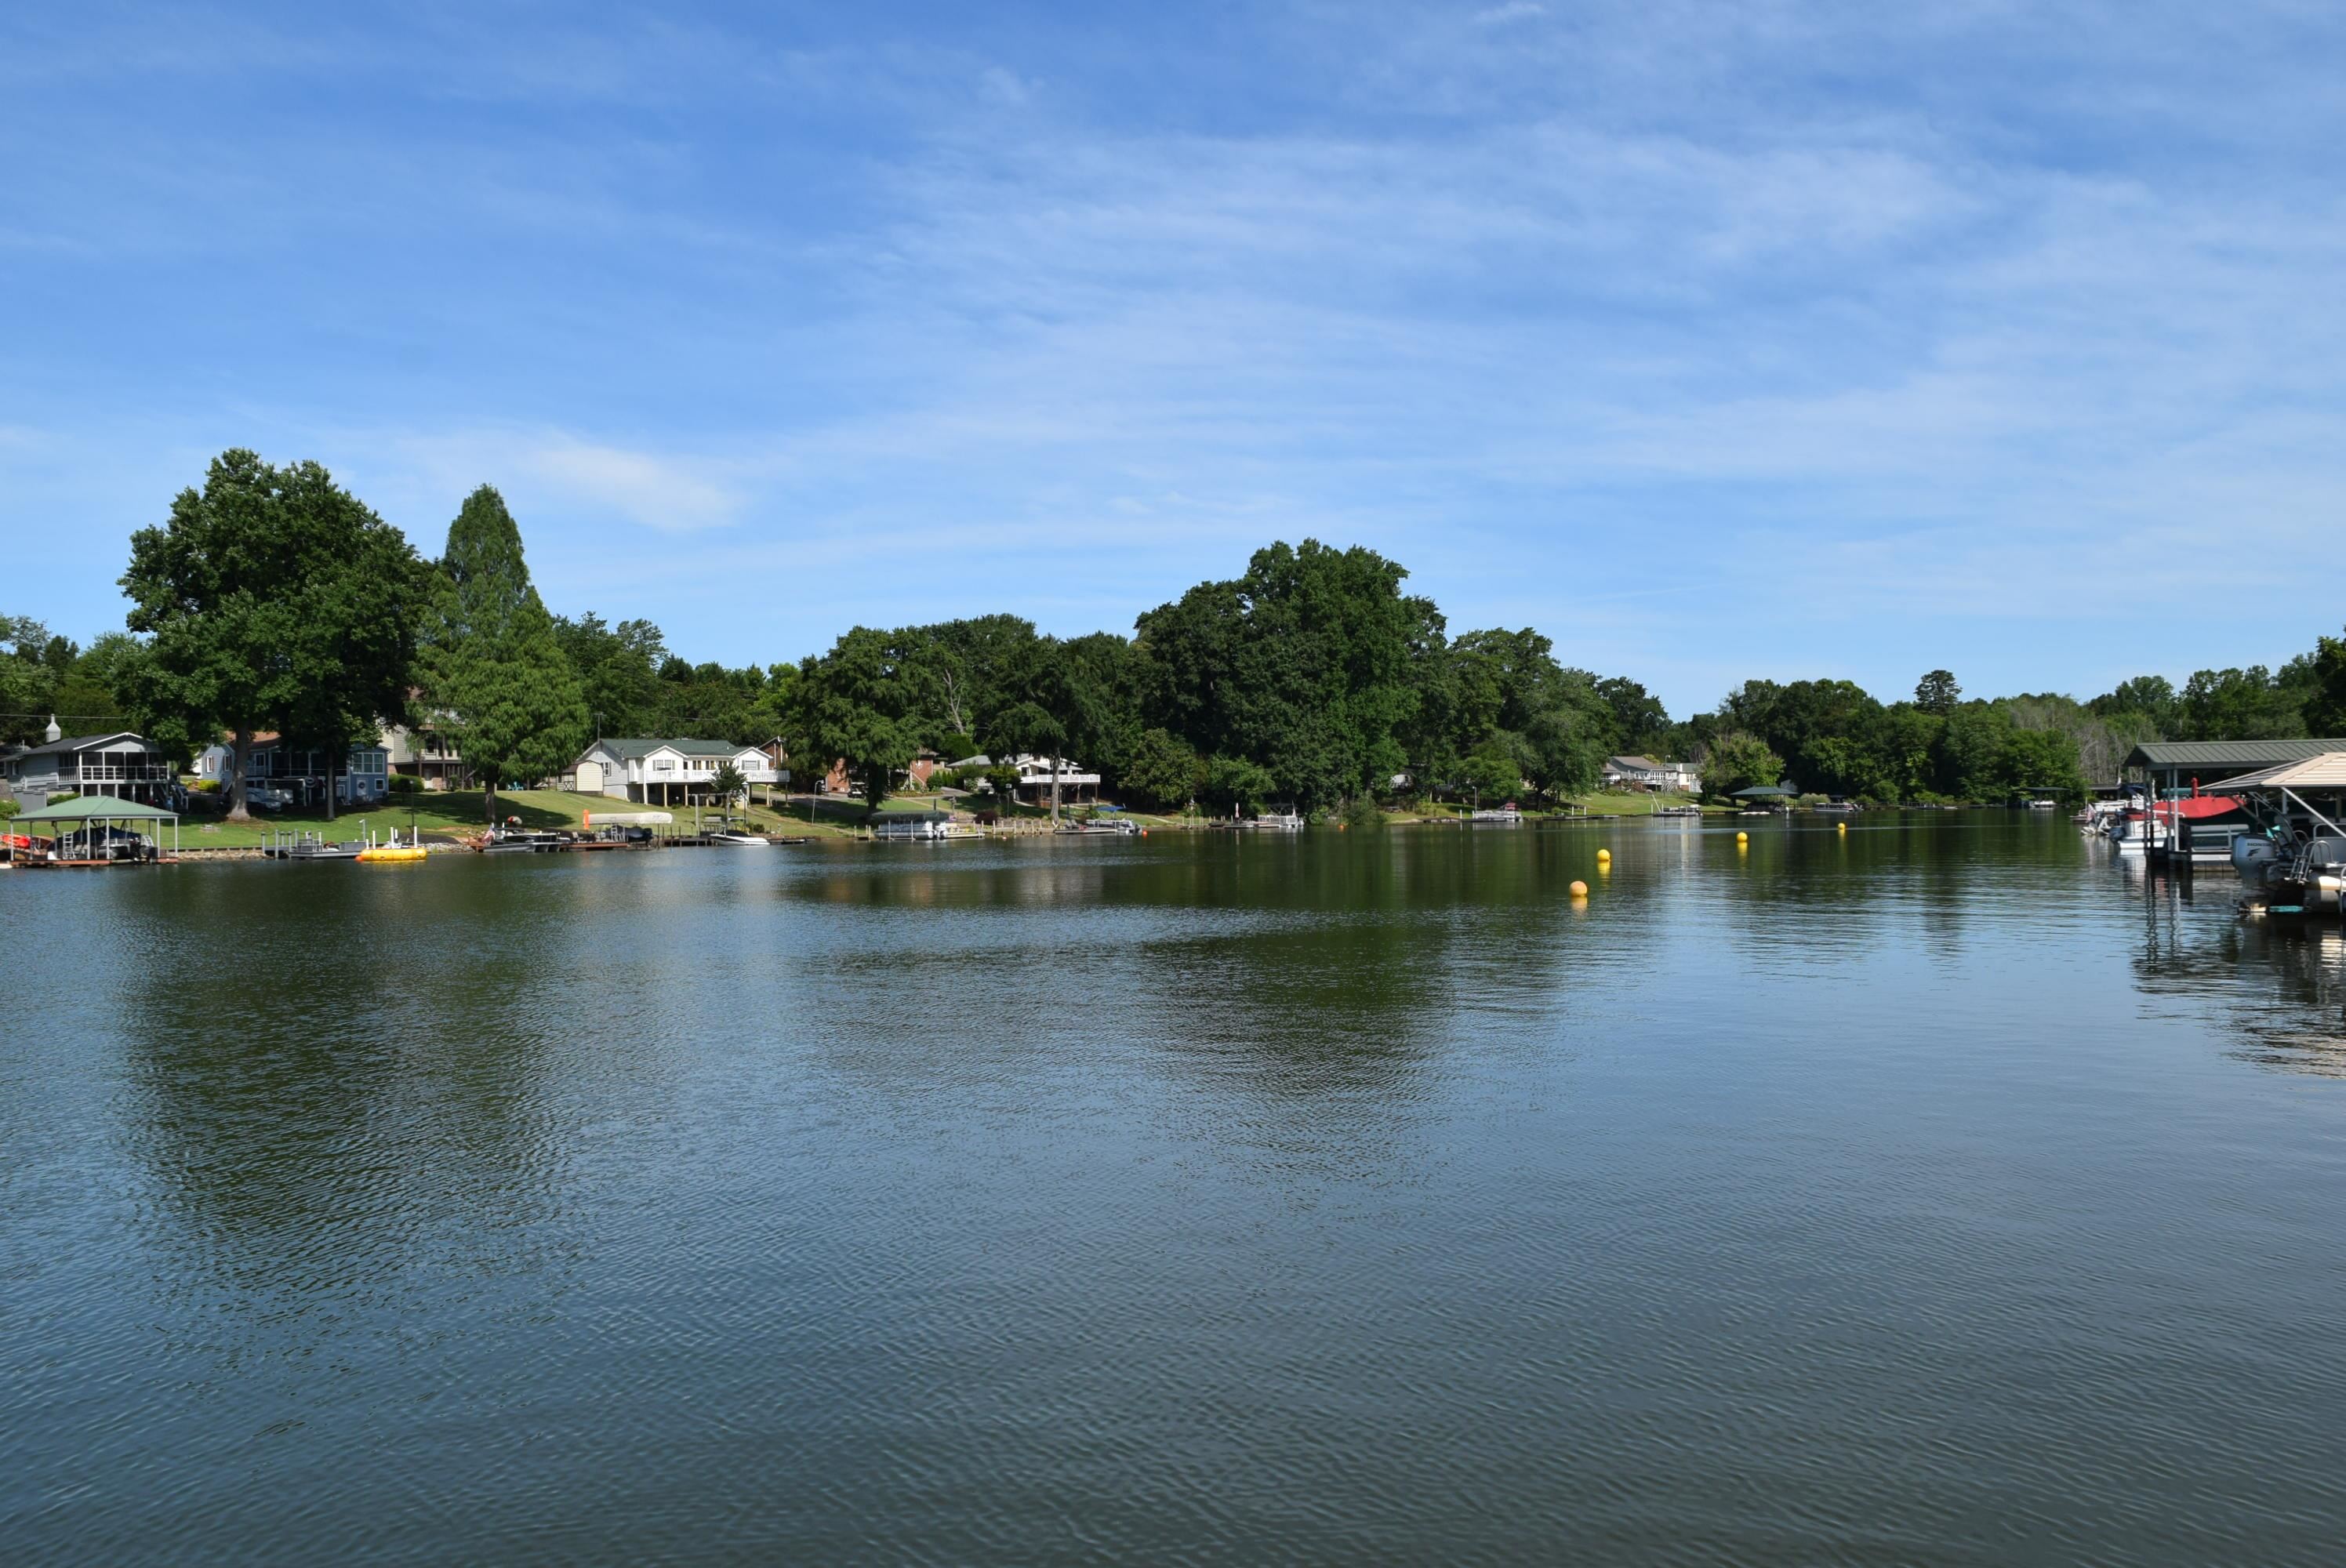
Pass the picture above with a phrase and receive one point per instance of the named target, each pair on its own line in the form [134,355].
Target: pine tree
[494,669]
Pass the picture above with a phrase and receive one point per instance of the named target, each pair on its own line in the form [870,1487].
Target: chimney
[53,732]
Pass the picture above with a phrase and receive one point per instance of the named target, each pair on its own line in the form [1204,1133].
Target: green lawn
[452,811]
[461,811]
[1598,805]
[1639,805]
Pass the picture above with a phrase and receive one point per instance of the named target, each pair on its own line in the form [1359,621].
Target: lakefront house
[1645,773]
[121,764]
[664,772]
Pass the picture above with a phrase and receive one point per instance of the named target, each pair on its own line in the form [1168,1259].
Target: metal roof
[1764,792]
[2327,771]
[82,808]
[631,748]
[2242,755]
[82,742]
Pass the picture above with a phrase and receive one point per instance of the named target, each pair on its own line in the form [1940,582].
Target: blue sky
[1713,340]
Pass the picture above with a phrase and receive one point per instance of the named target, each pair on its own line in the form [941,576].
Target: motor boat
[523,842]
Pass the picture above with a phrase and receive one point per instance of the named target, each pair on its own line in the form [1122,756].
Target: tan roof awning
[2327,771]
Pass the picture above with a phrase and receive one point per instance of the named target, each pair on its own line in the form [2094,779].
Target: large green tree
[271,599]
[2325,709]
[618,671]
[1311,665]
[866,703]
[1739,760]
[28,682]
[2239,705]
[1034,730]
[1164,771]
[494,672]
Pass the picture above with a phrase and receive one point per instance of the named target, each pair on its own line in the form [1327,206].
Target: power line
[107,717]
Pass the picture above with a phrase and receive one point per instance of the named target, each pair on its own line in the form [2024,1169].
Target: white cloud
[1003,88]
[670,494]
[546,476]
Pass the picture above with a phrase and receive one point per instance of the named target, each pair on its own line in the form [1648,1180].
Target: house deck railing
[122,773]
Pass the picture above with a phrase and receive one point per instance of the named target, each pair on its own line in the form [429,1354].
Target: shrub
[61,796]
[405,784]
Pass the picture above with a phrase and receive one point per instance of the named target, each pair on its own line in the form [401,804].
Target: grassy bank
[1601,805]
[455,813]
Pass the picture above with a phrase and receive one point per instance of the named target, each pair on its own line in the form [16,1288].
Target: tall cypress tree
[494,669]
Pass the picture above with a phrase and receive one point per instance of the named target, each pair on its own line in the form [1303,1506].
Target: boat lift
[2300,853]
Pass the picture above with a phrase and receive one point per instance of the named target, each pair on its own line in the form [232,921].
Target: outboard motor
[2254,856]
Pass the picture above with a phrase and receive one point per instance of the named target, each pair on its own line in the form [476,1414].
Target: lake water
[1936,1193]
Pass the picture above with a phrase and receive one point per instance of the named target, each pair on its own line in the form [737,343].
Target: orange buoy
[1580,889]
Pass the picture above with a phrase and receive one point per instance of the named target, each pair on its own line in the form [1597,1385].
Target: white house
[664,772]
[1035,774]
[1645,773]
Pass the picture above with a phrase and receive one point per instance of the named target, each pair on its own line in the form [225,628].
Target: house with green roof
[663,772]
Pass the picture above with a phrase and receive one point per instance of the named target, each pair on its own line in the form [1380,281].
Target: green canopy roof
[83,808]
[1765,792]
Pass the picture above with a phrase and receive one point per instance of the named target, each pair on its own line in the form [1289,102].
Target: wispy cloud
[1846,308]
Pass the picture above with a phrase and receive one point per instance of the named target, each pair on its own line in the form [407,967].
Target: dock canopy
[1766,792]
[91,810]
[97,807]
[2326,771]
[2179,761]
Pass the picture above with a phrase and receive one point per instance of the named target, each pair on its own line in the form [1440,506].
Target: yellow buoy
[1742,838]
[1841,827]
[1580,889]
[1603,857]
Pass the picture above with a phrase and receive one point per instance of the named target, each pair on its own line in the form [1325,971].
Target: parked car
[262,797]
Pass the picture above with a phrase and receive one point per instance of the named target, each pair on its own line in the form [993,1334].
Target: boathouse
[91,831]
[2167,765]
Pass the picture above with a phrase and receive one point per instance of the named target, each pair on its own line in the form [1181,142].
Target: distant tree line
[271,600]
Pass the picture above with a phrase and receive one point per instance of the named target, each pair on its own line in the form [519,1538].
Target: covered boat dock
[2176,765]
[92,827]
